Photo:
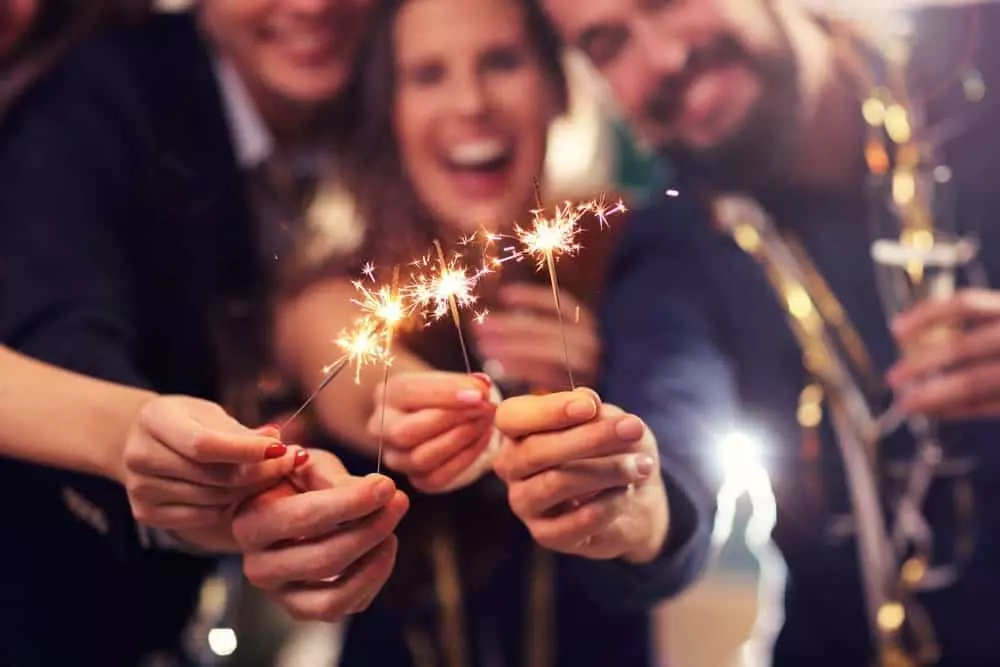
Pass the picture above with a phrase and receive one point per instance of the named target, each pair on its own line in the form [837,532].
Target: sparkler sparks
[362,345]
[446,287]
[388,306]
[552,236]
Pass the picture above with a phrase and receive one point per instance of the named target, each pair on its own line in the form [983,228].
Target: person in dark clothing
[130,250]
[454,126]
[764,100]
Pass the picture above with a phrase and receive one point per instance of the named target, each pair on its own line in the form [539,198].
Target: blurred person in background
[452,140]
[141,211]
[35,34]
[764,99]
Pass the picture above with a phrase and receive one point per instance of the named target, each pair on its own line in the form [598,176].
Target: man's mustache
[665,102]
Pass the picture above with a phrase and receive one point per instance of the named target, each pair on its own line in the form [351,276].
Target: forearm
[61,419]
[305,328]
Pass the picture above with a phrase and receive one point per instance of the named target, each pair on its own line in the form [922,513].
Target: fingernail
[639,466]
[274,427]
[275,451]
[581,408]
[470,396]
[301,457]
[629,428]
[485,379]
[383,490]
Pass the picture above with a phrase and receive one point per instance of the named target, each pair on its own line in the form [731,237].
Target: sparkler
[330,372]
[389,308]
[362,345]
[551,236]
[446,290]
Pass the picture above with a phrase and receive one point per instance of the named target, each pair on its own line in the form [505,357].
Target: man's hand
[186,464]
[583,476]
[526,340]
[951,357]
[323,547]
[438,428]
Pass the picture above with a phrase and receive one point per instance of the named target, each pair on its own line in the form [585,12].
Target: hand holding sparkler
[438,428]
[583,476]
[323,545]
[186,464]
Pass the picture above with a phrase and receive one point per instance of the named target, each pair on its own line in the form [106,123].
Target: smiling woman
[292,62]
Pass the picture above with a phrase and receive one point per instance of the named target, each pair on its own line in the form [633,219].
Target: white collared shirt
[252,140]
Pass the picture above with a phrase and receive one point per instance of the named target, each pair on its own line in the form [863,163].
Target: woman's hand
[438,428]
[186,463]
[583,476]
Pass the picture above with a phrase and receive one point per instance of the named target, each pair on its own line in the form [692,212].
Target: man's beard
[755,154]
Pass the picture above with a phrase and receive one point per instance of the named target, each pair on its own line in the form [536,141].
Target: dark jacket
[126,253]
[697,343]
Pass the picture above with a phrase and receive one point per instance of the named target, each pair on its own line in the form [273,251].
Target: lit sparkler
[362,345]
[551,236]
[329,373]
[445,289]
[389,308]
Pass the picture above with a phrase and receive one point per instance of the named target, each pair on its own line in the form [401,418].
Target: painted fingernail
[485,379]
[301,457]
[629,428]
[639,466]
[581,408]
[275,451]
[383,490]
[470,396]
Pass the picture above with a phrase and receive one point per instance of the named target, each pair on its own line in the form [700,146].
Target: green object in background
[638,173]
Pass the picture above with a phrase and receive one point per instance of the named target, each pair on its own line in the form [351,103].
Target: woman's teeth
[478,153]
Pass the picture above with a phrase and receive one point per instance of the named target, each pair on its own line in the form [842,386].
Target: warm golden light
[363,345]
[891,616]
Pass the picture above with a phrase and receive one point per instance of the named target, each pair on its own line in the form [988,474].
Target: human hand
[322,547]
[186,464]
[583,476]
[438,428]
[526,341]
[950,368]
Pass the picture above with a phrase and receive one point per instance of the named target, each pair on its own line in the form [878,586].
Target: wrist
[110,461]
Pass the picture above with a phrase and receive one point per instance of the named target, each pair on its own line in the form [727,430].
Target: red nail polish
[301,457]
[275,451]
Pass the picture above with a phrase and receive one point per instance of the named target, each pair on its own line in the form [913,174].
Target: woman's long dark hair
[398,224]
[398,227]
[59,26]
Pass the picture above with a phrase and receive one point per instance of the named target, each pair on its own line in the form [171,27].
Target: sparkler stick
[554,279]
[331,371]
[453,306]
[542,241]
[390,330]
